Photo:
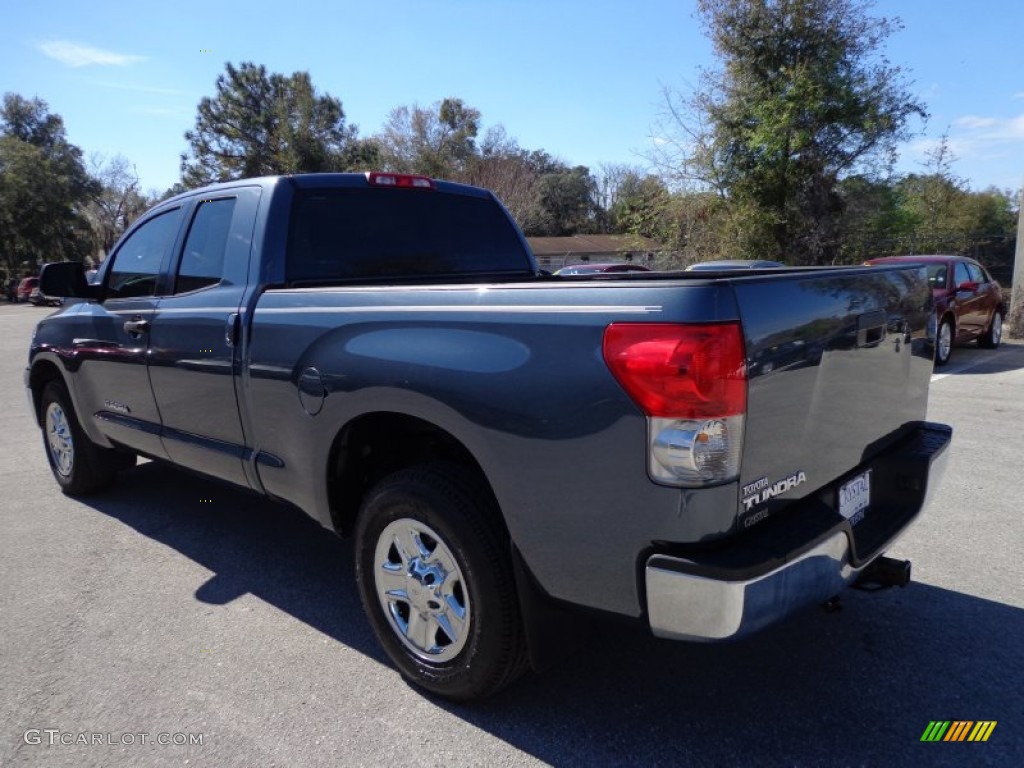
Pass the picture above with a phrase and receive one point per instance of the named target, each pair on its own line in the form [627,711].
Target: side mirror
[969,286]
[66,279]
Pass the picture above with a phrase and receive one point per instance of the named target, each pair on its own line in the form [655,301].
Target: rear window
[385,233]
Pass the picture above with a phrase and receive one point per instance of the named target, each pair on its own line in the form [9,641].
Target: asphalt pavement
[175,609]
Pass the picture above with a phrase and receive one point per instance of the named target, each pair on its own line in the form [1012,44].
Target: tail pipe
[884,572]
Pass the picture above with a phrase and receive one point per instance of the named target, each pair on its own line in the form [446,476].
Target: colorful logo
[958,730]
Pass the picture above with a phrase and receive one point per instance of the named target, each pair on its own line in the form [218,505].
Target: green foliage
[927,213]
[776,155]
[43,188]
[545,196]
[875,216]
[801,99]
[260,124]
[566,202]
[642,207]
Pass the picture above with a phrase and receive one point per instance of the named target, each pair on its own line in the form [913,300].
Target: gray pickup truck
[514,452]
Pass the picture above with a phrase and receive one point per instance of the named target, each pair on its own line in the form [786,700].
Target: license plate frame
[854,497]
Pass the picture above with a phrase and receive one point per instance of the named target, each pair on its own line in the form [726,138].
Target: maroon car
[968,302]
[25,288]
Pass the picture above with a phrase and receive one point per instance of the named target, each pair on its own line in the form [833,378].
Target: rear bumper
[805,556]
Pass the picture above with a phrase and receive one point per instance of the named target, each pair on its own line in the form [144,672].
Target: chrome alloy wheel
[421,589]
[997,329]
[945,340]
[59,440]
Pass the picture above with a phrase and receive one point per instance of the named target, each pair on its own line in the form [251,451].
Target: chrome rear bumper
[686,606]
[704,598]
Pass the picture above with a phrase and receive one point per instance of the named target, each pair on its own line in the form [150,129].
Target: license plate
[855,496]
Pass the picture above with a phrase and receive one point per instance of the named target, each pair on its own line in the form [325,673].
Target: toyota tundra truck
[513,452]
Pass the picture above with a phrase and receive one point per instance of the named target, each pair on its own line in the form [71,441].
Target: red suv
[968,302]
[25,288]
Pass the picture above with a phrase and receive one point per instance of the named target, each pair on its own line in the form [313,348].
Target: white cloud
[989,130]
[76,55]
[986,151]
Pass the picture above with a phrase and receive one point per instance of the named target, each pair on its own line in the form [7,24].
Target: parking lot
[177,607]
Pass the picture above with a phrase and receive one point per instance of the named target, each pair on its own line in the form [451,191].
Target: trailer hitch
[883,572]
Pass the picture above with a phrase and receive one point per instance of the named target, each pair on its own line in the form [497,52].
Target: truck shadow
[853,687]
[857,687]
[251,545]
[971,359]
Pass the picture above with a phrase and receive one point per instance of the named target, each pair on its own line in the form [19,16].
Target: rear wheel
[79,465]
[944,342]
[991,338]
[435,576]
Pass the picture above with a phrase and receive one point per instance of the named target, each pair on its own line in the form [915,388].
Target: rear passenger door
[194,340]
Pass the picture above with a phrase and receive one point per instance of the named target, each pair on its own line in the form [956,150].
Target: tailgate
[839,363]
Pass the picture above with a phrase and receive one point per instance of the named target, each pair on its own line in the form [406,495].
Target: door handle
[136,327]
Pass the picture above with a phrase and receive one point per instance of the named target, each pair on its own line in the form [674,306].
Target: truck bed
[838,364]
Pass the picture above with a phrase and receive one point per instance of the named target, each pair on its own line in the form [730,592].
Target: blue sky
[579,79]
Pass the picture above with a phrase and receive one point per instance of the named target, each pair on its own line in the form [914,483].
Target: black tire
[79,466]
[994,334]
[453,568]
[943,350]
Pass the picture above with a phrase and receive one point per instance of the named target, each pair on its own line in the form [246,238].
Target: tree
[567,202]
[506,169]
[802,98]
[933,212]
[260,124]
[876,220]
[641,206]
[43,188]
[117,203]
[437,141]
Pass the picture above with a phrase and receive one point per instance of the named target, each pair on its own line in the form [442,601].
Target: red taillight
[680,371]
[399,181]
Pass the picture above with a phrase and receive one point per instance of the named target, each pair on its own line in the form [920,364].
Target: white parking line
[992,355]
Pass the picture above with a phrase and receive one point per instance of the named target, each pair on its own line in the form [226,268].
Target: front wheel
[944,342]
[991,338]
[435,576]
[79,465]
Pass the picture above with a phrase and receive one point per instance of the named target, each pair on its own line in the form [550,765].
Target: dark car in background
[593,269]
[969,303]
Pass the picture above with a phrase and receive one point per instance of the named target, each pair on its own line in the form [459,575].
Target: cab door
[111,343]
[194,356]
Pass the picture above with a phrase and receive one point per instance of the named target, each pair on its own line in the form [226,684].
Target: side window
[202,262]
[976,274]
[137,262]
[960,274]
